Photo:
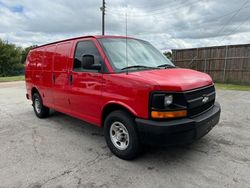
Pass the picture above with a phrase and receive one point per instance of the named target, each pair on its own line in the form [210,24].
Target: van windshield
[133,54]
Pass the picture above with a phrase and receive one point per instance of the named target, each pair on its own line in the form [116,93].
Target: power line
[222,16]
[196,25]
[164,9]
[212,20]
[236,28]
[232,17]
[176,9]
[152,13]
[168,4]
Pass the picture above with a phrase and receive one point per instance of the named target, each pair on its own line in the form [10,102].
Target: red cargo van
[124,85]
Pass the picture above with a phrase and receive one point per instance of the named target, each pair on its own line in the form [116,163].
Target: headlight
[168,99]
[161,100]
[165,105]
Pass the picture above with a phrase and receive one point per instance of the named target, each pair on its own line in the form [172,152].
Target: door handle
[53,78]
[70,79]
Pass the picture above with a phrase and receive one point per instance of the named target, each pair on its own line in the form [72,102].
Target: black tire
[133,148]
[44,111]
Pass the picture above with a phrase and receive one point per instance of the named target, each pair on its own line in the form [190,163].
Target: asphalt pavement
[61,151]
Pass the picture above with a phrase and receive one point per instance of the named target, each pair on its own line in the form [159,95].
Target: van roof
[81,37]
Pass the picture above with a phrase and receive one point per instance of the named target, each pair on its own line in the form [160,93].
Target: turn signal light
[169,114]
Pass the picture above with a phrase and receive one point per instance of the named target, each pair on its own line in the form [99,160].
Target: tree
[10,59]
[168,55]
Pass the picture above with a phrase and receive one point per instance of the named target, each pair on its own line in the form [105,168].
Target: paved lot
[61,151]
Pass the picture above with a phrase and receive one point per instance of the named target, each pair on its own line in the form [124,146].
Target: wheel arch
[34,90]
[112,106]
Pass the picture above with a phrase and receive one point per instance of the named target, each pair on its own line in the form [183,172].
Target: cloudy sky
[166,24]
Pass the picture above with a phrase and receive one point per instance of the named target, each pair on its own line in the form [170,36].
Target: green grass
[11,78]
[232,87]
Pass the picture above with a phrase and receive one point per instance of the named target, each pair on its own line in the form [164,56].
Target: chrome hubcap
[37,106]
[119,135]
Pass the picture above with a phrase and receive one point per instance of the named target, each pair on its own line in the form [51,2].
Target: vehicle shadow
[67,122]
[173,154]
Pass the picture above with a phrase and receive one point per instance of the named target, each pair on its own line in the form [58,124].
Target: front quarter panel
[130,93]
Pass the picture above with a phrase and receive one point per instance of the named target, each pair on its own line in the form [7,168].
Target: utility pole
[103,15]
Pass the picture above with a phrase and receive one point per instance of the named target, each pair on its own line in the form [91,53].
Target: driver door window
[85,48]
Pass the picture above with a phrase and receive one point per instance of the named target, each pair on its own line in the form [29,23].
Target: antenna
[126,20]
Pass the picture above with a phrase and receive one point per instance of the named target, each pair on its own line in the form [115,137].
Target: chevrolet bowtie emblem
[205,99]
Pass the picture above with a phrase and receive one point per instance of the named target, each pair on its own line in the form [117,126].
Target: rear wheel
[40,110]
[121,135]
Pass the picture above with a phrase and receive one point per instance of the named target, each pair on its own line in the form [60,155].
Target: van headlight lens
[168,99]
[161,100]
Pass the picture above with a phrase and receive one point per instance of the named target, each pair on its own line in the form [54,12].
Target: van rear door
[47,82]
[61,76]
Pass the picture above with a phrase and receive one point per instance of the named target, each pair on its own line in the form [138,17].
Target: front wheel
[121,135]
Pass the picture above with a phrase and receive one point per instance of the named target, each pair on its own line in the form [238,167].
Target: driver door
[86,84]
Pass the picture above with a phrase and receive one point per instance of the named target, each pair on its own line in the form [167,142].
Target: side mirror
[88,62]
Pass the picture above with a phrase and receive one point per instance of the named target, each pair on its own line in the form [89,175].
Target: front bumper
[178,131]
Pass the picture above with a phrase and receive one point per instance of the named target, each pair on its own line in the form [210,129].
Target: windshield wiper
[166,66]
[138,66]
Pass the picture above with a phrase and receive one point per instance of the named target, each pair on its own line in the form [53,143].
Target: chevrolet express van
[124,85]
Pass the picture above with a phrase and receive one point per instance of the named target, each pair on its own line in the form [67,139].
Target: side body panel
[46,88]
[30,71]
[60,76]
[37,74]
